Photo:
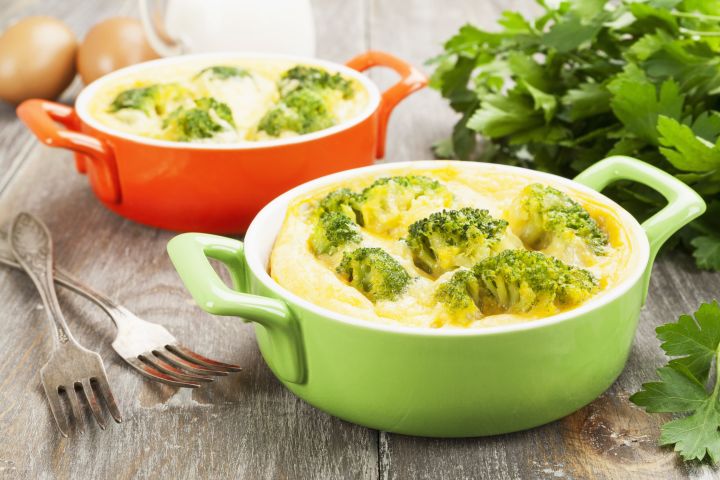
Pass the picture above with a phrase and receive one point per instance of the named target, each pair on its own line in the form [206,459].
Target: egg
[112,44]
[37,59]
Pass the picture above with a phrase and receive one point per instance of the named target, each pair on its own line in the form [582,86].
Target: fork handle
[106,304]
[31,243]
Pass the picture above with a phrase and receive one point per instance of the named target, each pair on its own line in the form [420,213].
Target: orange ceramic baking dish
[215,187]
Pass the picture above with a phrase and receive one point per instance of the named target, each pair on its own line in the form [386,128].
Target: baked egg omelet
[229,102]
[449,248]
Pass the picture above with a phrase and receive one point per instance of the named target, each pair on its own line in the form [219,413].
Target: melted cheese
[249,98]
[292,263]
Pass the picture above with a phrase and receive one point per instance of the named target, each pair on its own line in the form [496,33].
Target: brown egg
[37,59]
[112,44]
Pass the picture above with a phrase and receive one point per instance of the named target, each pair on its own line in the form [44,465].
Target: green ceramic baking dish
[436,382]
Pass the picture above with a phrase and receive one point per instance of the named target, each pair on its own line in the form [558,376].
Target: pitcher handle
[161,45]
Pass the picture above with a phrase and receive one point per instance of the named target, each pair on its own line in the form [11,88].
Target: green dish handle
[189,253]
[684,204]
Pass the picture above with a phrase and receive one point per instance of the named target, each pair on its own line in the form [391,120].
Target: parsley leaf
[586,100]
[543,101]
[695,436]
[674,393]
[693,340]
[685,385]
[684,150]
[501,115]
[571,34]
[637,105]
[707,125]
[707,252]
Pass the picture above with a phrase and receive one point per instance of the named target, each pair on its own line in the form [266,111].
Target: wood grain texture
[248,425]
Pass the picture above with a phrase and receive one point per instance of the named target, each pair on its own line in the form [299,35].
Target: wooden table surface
[248,425]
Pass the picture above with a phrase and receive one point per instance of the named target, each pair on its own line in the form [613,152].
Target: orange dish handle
[42,118]
[411,80]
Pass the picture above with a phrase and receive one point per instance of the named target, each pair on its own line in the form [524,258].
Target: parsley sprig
[592,78]
[689,384]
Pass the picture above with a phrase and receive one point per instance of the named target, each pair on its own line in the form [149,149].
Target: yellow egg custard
[449,248]
[228,102]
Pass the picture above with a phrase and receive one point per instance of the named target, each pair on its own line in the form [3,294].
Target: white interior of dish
[263,230]
[86,96]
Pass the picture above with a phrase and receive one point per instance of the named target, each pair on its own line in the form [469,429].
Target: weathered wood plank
[608,439]
[243,426]
[340,29]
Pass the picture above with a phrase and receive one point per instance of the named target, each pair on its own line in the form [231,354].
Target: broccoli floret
[333,231]
[194,124]
[417,183]
[305,101]
[205,120]
[542,215]
[221,109]
[301,111]
[459,292]
[518,281]
[453,238]
[223,72]
[342,201]
[375,273]
[150,99]
[314,78]
[383,204]
[135,98]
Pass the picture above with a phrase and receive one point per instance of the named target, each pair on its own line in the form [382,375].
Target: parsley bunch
[588,79]
[687,386]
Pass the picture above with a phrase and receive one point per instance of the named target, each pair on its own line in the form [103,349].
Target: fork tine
[168,369]
[158,376]
[53,397]
[102,383]
[93,402]
[180,362]
[187,354]
[72,397]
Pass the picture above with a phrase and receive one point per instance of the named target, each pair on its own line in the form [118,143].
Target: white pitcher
[175,27]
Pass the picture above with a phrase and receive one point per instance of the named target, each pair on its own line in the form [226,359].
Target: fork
[72,369]
[147,347]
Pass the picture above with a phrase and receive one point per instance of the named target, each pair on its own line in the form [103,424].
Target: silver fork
[147,347]
[71,369]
